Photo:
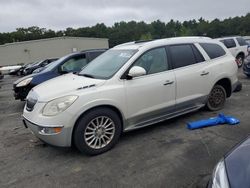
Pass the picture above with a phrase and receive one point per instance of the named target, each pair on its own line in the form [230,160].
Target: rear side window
[241,41]
[213,50]
[229,43]
[182,55]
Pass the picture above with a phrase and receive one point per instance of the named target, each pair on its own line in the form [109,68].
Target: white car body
[140,101]
[237,49]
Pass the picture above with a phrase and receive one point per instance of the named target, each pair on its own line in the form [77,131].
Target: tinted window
[229,43]
[241,41]
[93,55]
[74,64]
[182,55]
[213,50]
[199,58]
[153,61]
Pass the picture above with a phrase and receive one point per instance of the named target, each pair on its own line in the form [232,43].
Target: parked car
[19,71]
[233,171]
[69,63]
[246,66]
[1,75]
[237,46]
[247,39]
[30,68]
[128,87]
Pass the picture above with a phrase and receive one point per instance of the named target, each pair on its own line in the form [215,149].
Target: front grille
[30,103]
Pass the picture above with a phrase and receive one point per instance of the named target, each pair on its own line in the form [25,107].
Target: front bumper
[62,139]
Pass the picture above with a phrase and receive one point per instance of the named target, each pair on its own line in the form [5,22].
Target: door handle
[168,82]
[204,73]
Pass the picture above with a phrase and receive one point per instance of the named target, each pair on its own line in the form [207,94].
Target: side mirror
[136,71]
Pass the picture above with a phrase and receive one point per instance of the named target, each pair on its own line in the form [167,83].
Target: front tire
[217,98]
[97,131]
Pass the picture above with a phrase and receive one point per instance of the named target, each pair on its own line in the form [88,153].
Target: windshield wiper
[87,75]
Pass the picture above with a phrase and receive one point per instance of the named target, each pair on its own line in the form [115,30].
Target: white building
[36,50]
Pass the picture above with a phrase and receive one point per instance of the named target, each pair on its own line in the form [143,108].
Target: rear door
[193,82]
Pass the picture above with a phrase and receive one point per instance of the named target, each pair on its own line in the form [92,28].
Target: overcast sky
[60,14]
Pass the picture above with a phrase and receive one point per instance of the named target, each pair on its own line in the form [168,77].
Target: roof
[49,39]
[166,41]
[228,37]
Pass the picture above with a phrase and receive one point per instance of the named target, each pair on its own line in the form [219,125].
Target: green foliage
[130,31]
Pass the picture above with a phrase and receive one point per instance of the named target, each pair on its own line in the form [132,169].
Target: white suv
[128,87]
[237,46]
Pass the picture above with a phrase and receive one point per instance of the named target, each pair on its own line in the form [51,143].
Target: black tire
[240,60]
[216,98]
[84,122]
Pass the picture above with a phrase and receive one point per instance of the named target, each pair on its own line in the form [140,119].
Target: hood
[238,165]
[62,86]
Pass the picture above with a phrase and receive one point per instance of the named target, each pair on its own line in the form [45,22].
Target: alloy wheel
[99,132]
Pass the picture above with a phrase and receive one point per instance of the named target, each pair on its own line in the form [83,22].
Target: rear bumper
[62,139]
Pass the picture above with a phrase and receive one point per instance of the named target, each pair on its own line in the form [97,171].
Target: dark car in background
[1,75]
[70,63]
[29,69]
[20,71]
[246,66]
[233,171]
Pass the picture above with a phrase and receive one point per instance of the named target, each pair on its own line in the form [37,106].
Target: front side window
[153,61]
[107,64]
[213,50]
[74,64]
[182,55]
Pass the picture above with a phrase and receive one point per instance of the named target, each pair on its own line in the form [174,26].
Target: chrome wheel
[99,132]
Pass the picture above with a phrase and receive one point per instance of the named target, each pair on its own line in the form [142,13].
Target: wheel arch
[240,54]
[115,109]
[226,83]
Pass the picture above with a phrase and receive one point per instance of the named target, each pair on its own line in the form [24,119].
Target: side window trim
[168,59]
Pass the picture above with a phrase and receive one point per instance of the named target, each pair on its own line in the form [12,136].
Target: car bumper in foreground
[60,139]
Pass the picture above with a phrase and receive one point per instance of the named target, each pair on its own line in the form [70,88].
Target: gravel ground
[163,155]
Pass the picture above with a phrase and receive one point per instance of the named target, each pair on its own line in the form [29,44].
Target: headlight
[219,179]
[248,65]
[58,105]
[24,82]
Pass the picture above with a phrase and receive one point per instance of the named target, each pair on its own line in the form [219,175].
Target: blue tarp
[220,119]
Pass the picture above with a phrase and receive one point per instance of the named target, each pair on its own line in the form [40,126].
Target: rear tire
[97,131]
[217,98]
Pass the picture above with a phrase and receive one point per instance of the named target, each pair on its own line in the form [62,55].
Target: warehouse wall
[36,50]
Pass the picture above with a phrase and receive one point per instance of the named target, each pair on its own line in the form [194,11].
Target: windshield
[107,64]
[54,64]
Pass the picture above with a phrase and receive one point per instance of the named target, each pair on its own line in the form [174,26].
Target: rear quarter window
[213,50]
[241,41]
[229,43]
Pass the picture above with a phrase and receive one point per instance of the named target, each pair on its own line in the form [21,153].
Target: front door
[152,96]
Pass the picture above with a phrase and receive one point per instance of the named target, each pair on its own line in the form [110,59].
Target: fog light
[49,130]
